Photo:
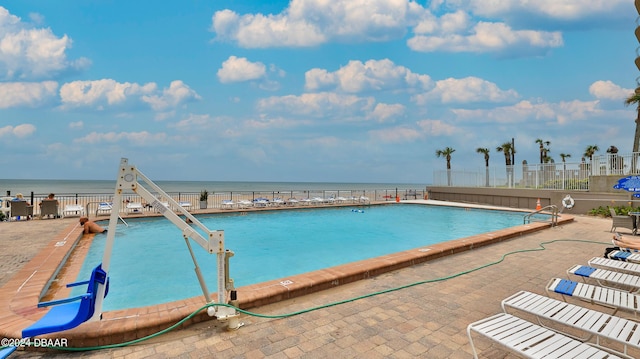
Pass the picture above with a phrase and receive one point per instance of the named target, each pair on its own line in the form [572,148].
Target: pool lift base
[211,241]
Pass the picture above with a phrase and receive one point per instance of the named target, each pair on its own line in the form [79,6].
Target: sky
[308,90]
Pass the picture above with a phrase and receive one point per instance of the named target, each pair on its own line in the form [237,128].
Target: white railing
[561,176]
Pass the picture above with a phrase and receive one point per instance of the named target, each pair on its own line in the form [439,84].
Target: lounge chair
[364,200]
[531,340]
[621,221]
[607,278]
[185,204]
[620,266]
[292,202]
[70,312]
[260,202]
[603,326]
[134,207]
[20,210]
[244,203]
[49,207]
[305,201]
[632,256]
[608,297]
[104,208]
[317,200]
[73,210]
[277,202]
[163,204]
[227,204]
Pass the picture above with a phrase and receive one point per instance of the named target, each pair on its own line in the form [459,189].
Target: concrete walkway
[426,320]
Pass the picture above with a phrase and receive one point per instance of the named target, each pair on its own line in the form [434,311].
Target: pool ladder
[550,210]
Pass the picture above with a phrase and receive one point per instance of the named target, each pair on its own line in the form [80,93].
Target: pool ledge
[20,295]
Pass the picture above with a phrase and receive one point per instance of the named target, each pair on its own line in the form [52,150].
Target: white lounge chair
[603,326]
[104,208]
[260,202]
[73,209]
[364,199]
[305,201]
[244,203]
[227,204]
[531,340]
[277,202]
[184,204]
[134,207]
[631,255]
[292,202]
[163,204]
[620,266]
[607,278]
[608,297]
[317,200]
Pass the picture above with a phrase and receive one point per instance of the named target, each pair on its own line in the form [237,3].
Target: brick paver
[427,320]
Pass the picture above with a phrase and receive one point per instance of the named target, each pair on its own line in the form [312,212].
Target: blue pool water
[151,263]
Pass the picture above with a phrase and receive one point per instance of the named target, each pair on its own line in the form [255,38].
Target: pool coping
[20,295]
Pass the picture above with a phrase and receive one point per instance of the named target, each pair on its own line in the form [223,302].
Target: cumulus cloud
[525,111]
[101,92]
[107,92]
[607,90]
[372,75]
[384,112]
[313,22]
[436,128]
[238,69]
[319,105]
[20,131]
[138,139]
[488,37]
[27,52]
[395,135]
[466,90]
[177,94]
[555,9]
[32,94]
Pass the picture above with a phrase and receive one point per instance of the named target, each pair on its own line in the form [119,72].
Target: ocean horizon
[66,187]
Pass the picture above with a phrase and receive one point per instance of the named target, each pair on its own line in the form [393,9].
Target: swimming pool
[151,265]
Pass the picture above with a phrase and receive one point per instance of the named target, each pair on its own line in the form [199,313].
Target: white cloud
[395,135]
[108,92]
[436,128]
[466,90]
[76,125]
[20,131]
[32,53]
[238,69]
[525,111]
[101,92]
[383,112]
[313,22]
[177,94]
[319,105]
[607,90]
[137,139]
[373,75]
[557,9]
[14,94]
[488,37]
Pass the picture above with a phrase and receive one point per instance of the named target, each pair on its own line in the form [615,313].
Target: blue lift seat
[70,312]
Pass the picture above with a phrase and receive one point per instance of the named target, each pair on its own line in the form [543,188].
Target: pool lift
[212,242]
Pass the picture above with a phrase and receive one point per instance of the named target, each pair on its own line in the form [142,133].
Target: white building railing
[561,176]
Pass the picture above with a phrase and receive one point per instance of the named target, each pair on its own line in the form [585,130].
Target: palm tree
[634,99]
[485,152]
[590,151]
[564,156]
[507,149]
[446,153]
[543,150]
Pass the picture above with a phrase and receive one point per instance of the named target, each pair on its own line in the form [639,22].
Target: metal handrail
[545,210]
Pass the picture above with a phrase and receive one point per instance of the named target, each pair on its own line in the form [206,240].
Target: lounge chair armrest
[63,301]
[74,284]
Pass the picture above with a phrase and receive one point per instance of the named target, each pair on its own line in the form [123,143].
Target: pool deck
[426,320]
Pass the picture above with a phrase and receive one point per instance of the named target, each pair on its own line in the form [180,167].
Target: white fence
[562,176]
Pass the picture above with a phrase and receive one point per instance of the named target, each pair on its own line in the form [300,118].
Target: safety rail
[550,210]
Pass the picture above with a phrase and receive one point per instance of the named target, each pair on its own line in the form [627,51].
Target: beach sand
[426,320]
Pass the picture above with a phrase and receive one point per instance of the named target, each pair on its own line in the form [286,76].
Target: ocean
[71,187]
